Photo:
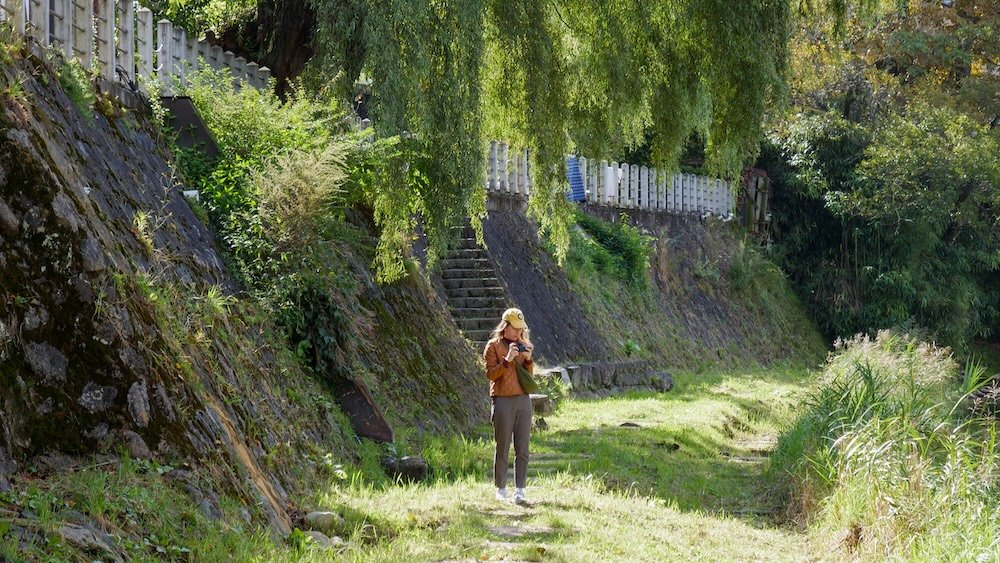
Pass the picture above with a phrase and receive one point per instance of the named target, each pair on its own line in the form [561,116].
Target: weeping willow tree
[553,76]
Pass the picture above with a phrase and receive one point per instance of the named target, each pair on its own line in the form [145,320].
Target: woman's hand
[511,353]
[526,355]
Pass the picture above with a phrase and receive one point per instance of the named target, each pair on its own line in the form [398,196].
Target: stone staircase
[473,292]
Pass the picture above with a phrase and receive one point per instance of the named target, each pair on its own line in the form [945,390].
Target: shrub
[615,248]
[880,453]
[75,82]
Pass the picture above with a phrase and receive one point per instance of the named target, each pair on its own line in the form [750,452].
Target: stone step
[470,283]
[494,303]
[466,263]
[478,337]
[466,243]
[457,292]
[476,324]
[476,312]
[466,273]
[468,253]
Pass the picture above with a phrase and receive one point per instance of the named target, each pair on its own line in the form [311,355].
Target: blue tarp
[576,191]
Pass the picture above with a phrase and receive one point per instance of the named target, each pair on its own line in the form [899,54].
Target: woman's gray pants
[511,417]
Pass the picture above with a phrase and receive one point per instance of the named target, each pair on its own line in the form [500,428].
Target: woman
[511,412]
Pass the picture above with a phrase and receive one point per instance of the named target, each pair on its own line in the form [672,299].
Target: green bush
[883,453]
[617,248]
[893,224]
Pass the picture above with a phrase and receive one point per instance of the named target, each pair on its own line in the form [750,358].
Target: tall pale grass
[887,463]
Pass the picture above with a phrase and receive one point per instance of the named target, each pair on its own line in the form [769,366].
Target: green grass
[600,491]
[687,482]
[149,518]
[889,462]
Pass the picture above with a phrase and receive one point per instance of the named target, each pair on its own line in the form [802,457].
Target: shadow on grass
[716,467]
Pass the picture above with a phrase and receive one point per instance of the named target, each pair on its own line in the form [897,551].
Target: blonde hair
[498,332]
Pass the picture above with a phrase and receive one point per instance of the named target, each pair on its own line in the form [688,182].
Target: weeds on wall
[75,82]
[618,249]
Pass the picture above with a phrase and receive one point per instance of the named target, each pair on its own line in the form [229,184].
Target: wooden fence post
[633,185]
[144,43]
[525,176]
[38,18]
[527,171]
[105,22]
[492,184]
[15,8]
[511,170]
[215,57]
[619,176]
[651,188]
[239,71]
[83,32]
[126,38]
[595,179]
[62,27]
[191,63]
[164,53]
[642,198]
[502,168]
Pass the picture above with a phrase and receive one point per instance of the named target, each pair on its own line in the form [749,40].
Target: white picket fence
[627,186]
[110,35]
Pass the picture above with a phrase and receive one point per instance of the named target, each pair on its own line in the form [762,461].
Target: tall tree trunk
[280,38]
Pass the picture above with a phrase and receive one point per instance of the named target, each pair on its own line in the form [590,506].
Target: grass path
[681,480]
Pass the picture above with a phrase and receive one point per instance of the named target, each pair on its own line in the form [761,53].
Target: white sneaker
[502,495]
[520,497]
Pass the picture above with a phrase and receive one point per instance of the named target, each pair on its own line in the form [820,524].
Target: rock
[629,425]
[540,424]
[98,432]
[46,407]
[137,448]
[320,539]
[210,509]
[408,469]
[92,255]
[35,318]
[90,539]
[51,463]
[327,522]
[138,403]
[542,404]
[66,214]
[47,362]
[662,381]
[133,360]
[97,398]
[8,221]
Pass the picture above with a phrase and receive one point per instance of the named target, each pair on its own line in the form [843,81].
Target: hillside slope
[710,300]
[120,328]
